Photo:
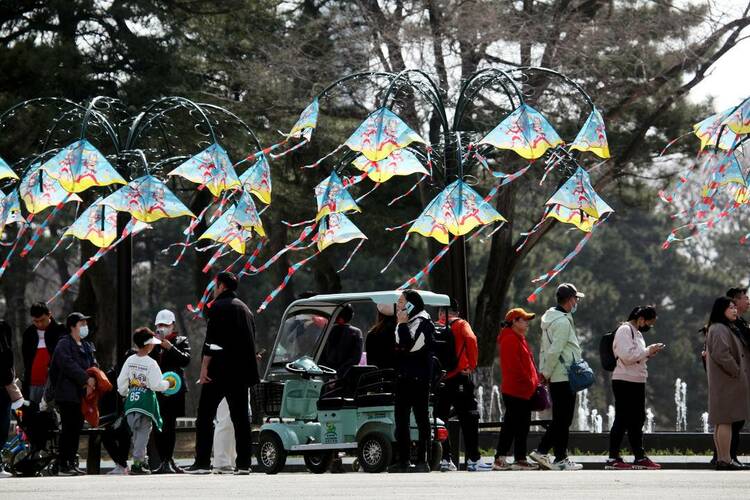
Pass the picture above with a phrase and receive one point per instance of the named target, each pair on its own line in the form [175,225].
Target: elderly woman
[728,386]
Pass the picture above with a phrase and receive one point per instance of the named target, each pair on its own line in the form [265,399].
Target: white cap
[152,340]
[164,317]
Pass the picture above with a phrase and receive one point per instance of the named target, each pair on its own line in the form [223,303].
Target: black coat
[380,345]
[7,374]
[343,349]
[54,332]
[173,360]
[231,326]
[67,370]
[415,365]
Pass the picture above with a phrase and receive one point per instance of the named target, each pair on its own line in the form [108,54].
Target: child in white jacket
[139,378]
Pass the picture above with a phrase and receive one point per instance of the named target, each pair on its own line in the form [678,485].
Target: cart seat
[377,399]
[335,403]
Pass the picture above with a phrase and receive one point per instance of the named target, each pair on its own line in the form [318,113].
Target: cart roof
[383,297]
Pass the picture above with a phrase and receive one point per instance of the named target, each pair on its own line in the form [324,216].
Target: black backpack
[607,352]
[444,346]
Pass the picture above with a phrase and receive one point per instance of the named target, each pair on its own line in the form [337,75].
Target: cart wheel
[436,455]
[374,452]
[271,453]
[319,462]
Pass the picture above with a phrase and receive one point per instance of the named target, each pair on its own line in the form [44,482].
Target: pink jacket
[631,353]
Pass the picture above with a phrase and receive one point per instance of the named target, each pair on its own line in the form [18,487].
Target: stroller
[33,449]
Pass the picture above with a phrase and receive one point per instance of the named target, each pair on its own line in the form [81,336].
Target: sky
[728,81]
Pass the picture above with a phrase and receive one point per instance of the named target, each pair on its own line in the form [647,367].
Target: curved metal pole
[239,120]
[438,104]
[559,75]
[90,109]
[135,128]
[354,76]
[465,97]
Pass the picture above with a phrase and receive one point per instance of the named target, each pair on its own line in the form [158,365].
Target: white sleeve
[155,382]
[123,378]
[626,348]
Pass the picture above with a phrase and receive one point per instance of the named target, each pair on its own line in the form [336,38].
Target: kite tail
[220,210]
[356,179]
[429,159]
[302,237]
[249,263]
[400,247]
[284,153]
[42,227]
[57,245]
[547,277]
[21,232]
[313,165]
[290,272]
[410,191]
[298,224]
[356,249]
[216,256]
[504,180]
[417,278]
[197,310]
[395,228]
[672,142]
[550,168]
[189,232]
[528,235]
[377,185]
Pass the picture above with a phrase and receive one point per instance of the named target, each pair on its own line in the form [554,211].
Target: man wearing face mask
[173,355]
[559,348]
[37,347]
[68,382]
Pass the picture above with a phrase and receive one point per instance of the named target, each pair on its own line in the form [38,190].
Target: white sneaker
[119,470]
[4,473]
[566,464]
[542,459]
[478,466]
[447,466]
[224,469]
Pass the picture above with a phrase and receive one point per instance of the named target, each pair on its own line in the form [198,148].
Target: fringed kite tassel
[40,230]
[290,272]
[293,148]
[313,165]
[550,275]
[417,278]
[351,256]
[400,247]
[21,232]
[410,191]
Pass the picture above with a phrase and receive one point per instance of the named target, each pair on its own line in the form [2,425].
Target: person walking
[68,382]
[172,355]
[139,380]
[559,348]
[519,381]
[629,387]
[37,346]
[728,385]
[228,368]
[414,335]
[457,391]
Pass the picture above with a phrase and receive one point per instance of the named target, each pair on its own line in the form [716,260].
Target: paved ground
[456,486]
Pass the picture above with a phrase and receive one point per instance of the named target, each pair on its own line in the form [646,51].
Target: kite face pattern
[257,179]
[380,134]
[226,231]
[10,210]
[39,191]
[708,131]
[337,228]
[210,168]
[399,162]
[525,131]
[147,199]
[457,210]
[332,196]
[80,166]
[306,123]
[593,136]
[97,224]
[246,215]
[739,120]
[6,172]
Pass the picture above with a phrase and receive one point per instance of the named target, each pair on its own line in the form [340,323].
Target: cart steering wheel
[325,370]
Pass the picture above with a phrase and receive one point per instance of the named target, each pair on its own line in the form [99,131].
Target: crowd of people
[437,357]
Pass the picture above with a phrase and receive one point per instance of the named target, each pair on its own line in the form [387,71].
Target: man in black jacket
[228,369]
[173,355]
[37,346]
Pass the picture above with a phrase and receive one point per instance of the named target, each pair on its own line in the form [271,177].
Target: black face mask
[644,328]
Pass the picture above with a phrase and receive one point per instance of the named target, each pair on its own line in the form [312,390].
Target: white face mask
[163,331]
[83,332]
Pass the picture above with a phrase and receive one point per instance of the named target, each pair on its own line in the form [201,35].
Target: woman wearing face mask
[173,355]
[68,382]
[629,387]
[414,336]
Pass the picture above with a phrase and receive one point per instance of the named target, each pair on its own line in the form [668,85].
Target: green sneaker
[139,469]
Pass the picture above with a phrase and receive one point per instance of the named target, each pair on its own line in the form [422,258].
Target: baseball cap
[518,312]
[568,290]
[164,317]
[74,318]
[144,336]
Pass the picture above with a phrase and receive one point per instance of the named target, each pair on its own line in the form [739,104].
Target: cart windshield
[300,336]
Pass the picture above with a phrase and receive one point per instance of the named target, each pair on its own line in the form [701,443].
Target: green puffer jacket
[558,339]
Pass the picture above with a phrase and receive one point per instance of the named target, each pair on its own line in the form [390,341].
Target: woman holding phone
[629,386]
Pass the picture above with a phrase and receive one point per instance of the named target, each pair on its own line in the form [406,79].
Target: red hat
[518,312]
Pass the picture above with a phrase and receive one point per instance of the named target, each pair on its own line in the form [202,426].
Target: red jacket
[517,363]
[466,346]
